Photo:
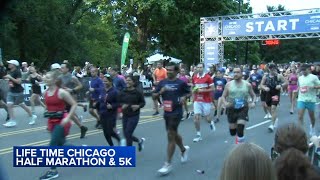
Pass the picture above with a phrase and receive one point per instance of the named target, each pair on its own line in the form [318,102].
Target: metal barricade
[80,95]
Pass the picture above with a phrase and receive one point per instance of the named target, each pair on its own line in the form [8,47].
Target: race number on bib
[238,103]
[219,88]
[167,106]
[304,89]
[275,98]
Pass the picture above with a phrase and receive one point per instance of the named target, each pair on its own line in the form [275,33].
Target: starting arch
[214,31]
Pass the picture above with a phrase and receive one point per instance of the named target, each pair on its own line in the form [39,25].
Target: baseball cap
[55,66]
[222,70]
[14,62]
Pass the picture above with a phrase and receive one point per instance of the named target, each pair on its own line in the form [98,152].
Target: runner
[95,90]
[263,95]
[272,84]
[308,85]
[15,94]
[235,97]
[108,105]
[293,88]
[35,78]
[72,85]
[174,93]
[3,89]
[159,74]
[185,78]
[56,99]
[255,80]
[131,100]
[203,86]
[219,84]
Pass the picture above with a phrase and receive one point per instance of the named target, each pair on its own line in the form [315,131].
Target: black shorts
[237,114]
[256,91]
[172,122]
[263,96]
[272,98]
[68,108]
[91,104]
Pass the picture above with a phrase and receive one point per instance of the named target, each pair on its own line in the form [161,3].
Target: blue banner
[211,53]
[211,29]
[74,156]
[307,23]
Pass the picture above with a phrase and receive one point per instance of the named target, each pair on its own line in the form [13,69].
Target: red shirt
[203,82]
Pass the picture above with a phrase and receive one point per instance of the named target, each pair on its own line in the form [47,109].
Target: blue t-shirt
[119,83]
[255,80]
[97,84]
[171,97]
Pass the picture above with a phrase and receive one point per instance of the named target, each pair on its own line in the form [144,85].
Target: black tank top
[272,82]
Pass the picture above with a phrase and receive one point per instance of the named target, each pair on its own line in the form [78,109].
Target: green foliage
[50,31]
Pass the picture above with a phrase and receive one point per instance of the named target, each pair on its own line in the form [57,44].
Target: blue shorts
[311,106]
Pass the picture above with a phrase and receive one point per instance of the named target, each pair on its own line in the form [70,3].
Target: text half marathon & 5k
[74,156]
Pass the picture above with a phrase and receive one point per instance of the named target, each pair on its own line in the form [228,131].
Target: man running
[159,74]
[203,87]
[72,85]
[174,93]
[235,97]
[272,84]
[255,80]
[308,85]
[15,94]
[219,84]
[95,90]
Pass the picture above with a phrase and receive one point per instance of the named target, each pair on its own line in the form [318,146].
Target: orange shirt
[160,74]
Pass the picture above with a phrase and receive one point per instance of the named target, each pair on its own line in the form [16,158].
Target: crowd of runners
[116,93]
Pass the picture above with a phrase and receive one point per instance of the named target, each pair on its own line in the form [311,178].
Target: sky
[261,5]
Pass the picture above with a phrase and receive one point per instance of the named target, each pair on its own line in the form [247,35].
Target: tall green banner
[125,45]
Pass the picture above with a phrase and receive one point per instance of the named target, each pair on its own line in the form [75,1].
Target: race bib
[293,82]
[304,89]
[219,88]
[275,98]
[254,84]
[167,106]
[199,97]
[11,84]
[238,103]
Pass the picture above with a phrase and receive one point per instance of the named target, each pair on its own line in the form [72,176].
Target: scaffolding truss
[218,37]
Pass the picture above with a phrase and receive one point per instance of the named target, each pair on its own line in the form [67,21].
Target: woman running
[185,78]
[293,88]
[131,100]
[108,106]
[35,80]
[59,122]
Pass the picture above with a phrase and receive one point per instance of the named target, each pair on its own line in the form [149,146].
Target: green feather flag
[125,45]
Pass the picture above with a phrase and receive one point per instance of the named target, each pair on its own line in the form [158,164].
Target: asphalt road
[207,155]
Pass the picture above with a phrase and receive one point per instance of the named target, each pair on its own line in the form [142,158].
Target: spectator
[294,165]
[248,162]
[290,136]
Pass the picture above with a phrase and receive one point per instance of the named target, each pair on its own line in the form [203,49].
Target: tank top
[272,82]
[293,79]
[238,91]
[67,81]
[184,78]
[54,103]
